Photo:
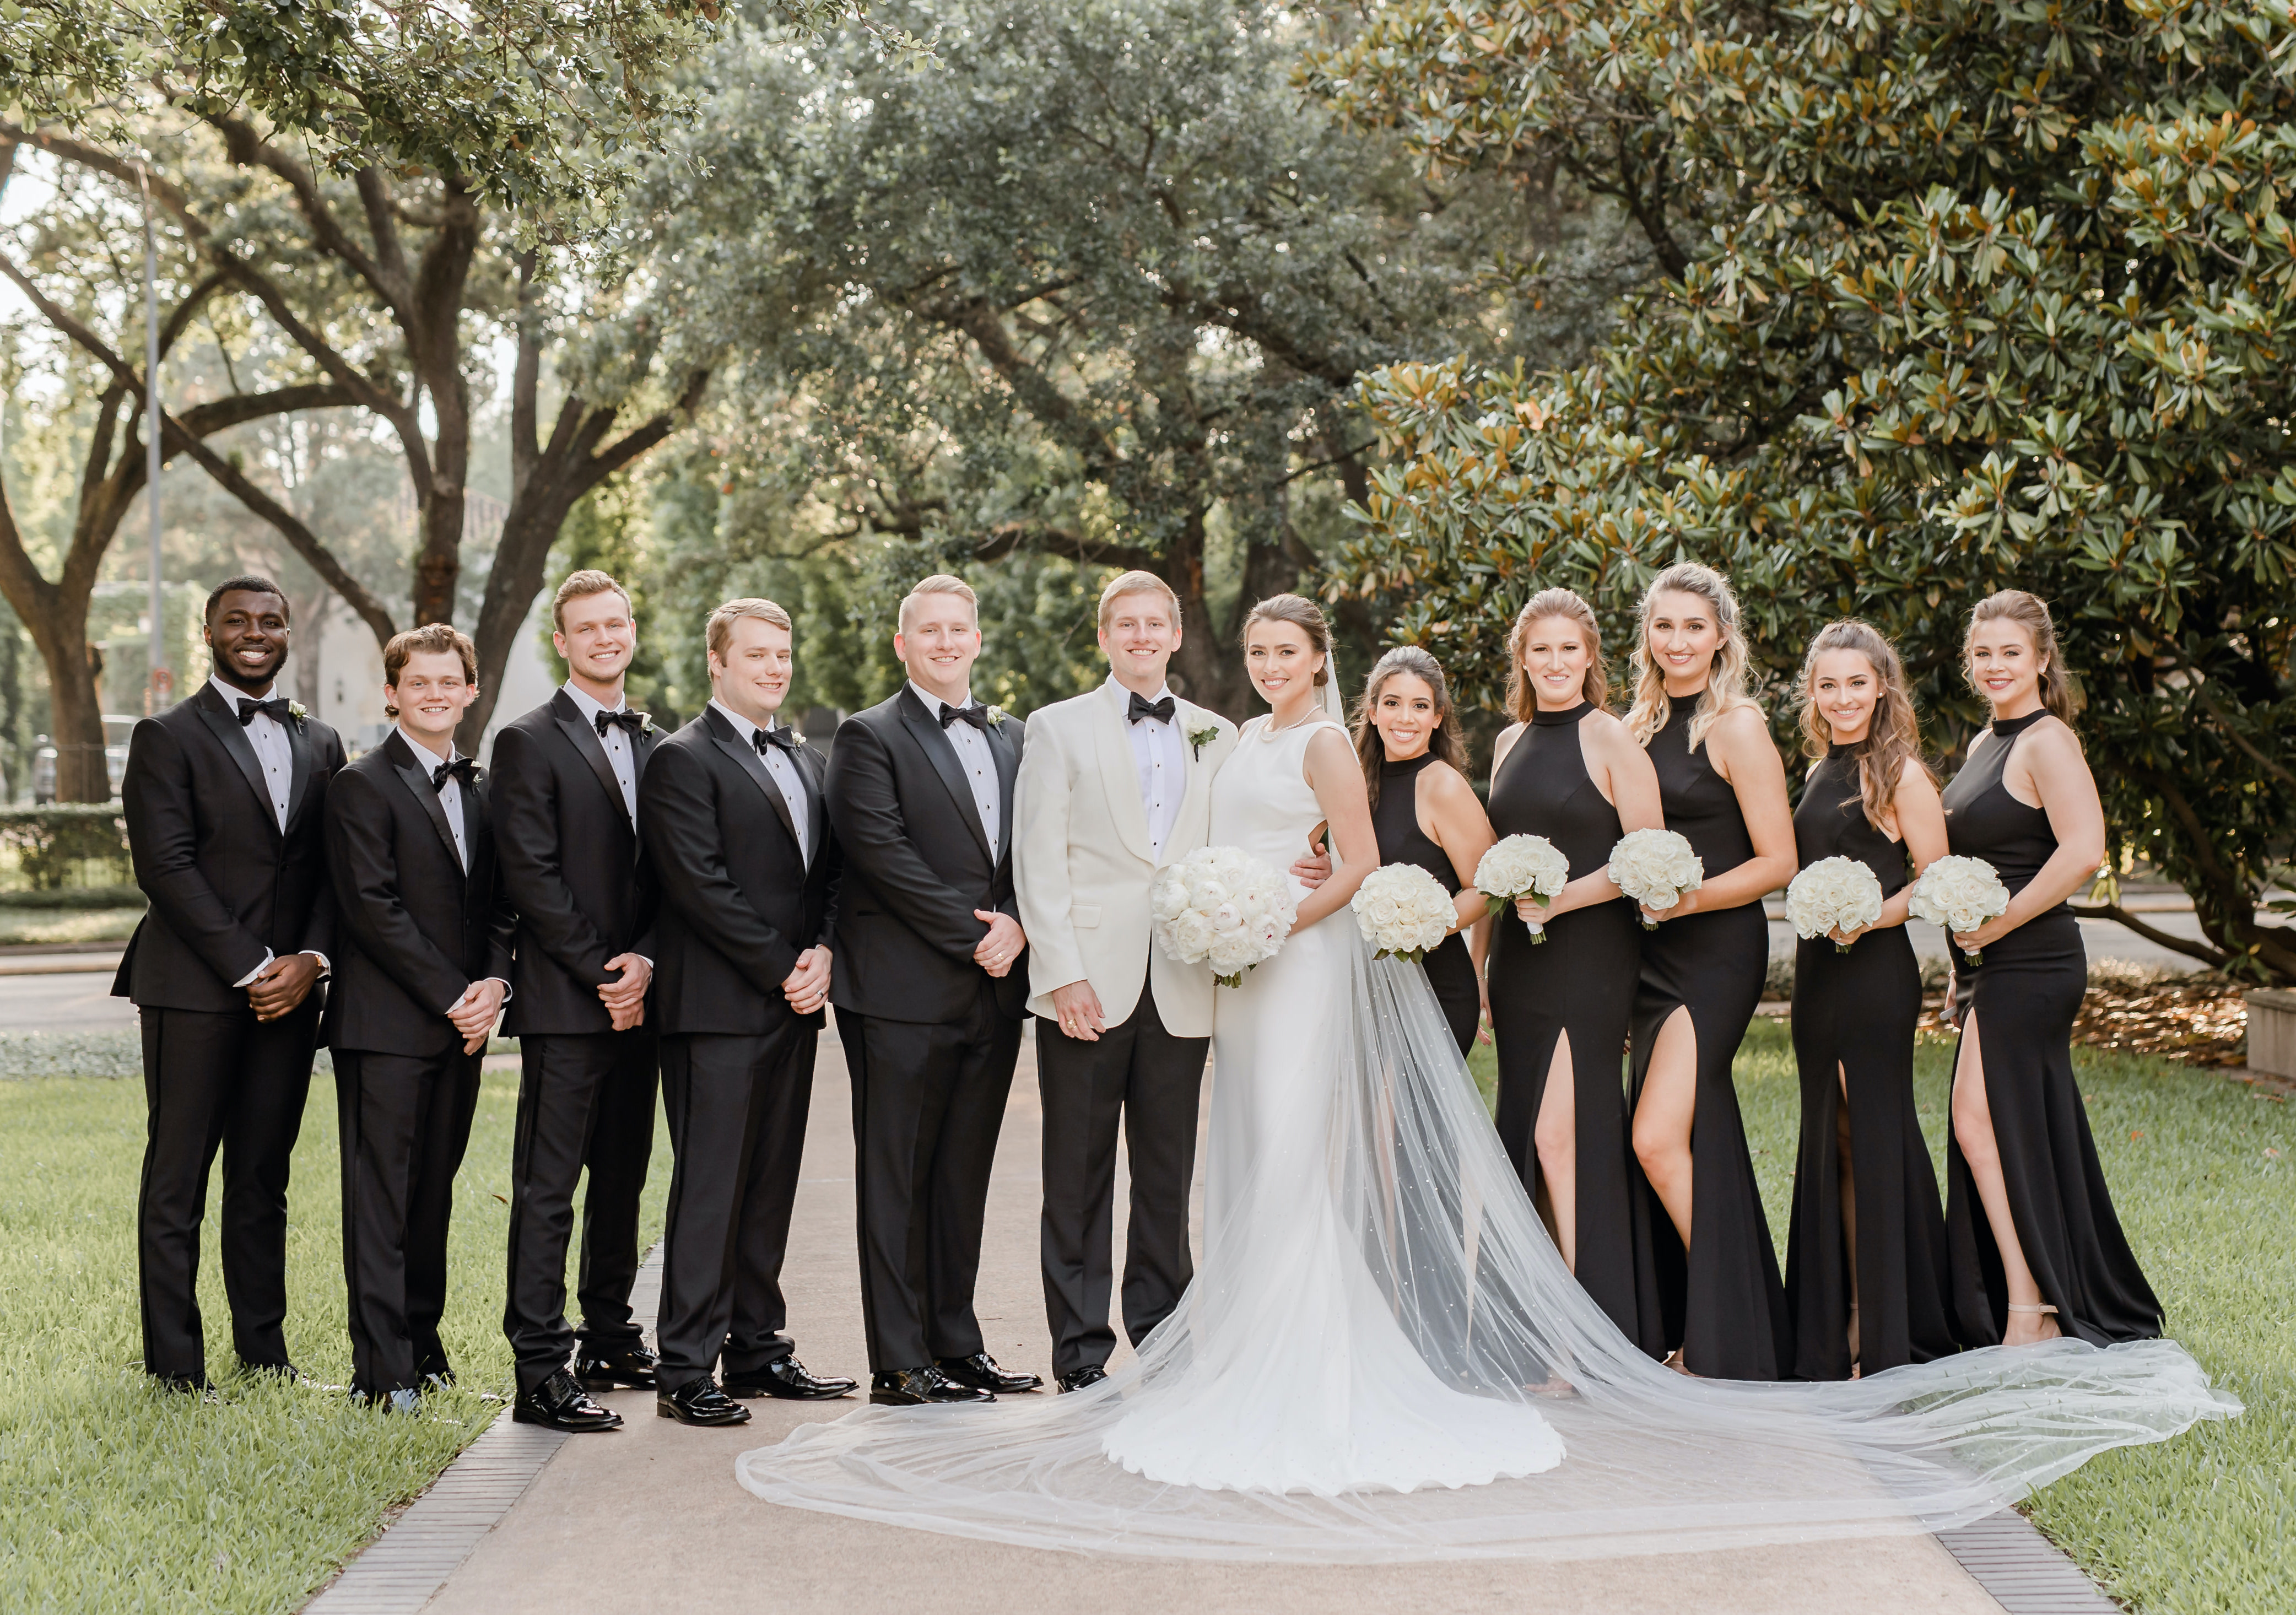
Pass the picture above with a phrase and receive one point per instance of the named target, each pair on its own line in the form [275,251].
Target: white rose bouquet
[1960,894]
[1221,906]
[1655,867]
[1833,894]
[1404,911]
[1522,866]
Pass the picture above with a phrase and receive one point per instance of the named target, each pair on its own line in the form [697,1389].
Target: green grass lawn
[2203,1171]
[115,1497]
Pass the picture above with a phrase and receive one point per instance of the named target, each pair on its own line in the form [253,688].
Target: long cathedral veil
[1654,1461]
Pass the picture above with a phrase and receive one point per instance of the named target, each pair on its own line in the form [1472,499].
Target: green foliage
[1957,296]
[67,844]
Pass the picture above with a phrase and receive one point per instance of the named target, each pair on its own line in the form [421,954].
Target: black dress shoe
[921,1388]
[287,1371]
[700,1402]
[560,1404]
[1081,1378]
[789,1379]
[632,1366]
[182,1385]
[980,1371]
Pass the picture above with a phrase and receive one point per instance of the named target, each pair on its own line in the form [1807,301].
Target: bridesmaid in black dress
[2037,1247]
[1570,772]
[1724,788]
[1866,1260]
[1424,812]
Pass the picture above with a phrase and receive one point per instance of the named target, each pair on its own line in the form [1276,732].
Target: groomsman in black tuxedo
[423,968]
[565,792]
[732,813]
[225,795]
[928,1000]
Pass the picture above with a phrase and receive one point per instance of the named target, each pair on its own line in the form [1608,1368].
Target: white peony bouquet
[1404,911]
[1221,906]
[1960,894]
[1655,867]
[1833,894]
[1522,866]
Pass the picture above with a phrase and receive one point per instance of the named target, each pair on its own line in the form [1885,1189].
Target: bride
[1383,1358]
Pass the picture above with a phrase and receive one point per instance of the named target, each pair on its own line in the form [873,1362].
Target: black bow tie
[278,707]
[633,722]
[978,717]
[462,769]
[1160,710]
[782,735]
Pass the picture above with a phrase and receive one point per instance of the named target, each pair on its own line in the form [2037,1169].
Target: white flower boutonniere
[1198,739]
[645,723]
[297,710]
[997,717]
[797,738]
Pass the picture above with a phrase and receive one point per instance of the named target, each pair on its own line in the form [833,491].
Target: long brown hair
[1521,700]
[1446,744]
[1893,735]
[1725,680]
[2058,692]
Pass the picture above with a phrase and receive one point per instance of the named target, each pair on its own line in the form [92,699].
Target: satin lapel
[233,733]
[747,759]
[585,740]
[1119,770]
[474,817]
[1008,753]
[416,778]
[814,768]
[926,730]
[298,780]
[1199,771]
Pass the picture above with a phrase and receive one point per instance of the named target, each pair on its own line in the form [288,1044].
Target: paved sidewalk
[650,1517]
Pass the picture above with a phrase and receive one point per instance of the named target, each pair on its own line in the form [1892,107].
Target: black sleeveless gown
[1723,1302]
[1854,1015]
[1450,968]
[2023,997]
[1579,984]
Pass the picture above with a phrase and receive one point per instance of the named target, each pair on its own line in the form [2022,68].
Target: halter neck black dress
[2022,999]
[1395,820]
[1853,1028]
[1579,984]
[1723,1302]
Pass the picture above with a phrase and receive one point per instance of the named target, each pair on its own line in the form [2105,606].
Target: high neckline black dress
[1395,821]
[1723,1301]
[1854,1016]
[1580,986]
[2021,1000]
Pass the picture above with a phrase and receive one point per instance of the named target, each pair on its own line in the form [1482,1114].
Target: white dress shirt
[786,778]
[276,753]
[1162,763]
[621,755]
[979,760]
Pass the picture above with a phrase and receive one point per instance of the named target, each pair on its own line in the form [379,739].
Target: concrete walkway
[650,1517]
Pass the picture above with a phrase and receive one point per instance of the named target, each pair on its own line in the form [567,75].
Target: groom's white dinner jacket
[1082,863]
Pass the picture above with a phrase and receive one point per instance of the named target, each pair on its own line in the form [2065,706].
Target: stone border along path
[650,1517]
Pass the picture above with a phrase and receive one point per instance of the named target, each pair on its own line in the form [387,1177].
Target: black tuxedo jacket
[571,866]
[738,905]
[917,864]
[225,883]
[413,928]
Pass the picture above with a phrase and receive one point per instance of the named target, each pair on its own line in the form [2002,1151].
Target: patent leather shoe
[560,1404]
[700,1402]
[632,1366]
[925,1386]
[1083,1377]
[980,1371]
[401,1401]
[792,1381]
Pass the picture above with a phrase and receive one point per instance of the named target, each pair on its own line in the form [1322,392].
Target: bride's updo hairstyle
[1521,700]
[1893,734]
[2032,613]
[1725,680]
[1445,744]
[1303,614]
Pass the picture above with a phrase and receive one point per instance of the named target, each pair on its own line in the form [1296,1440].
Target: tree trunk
[528,532]
[75,711]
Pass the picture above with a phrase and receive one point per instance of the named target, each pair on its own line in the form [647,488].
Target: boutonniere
[1198,739]
[797,738]
[646,724]
[297,710]
[997,717]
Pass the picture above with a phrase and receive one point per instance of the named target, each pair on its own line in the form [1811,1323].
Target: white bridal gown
[1368,1364]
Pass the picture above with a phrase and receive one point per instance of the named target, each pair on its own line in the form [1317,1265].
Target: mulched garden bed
[2196,1020]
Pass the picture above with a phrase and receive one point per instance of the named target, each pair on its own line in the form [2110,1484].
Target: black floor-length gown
[1579,984]
[1854,1015]
[1723,1301]
[2022,998]
[1450,967]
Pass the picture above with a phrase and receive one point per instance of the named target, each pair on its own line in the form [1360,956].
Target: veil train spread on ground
[1651,1461]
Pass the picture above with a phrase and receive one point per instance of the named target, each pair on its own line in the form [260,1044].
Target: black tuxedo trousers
[1152,1081]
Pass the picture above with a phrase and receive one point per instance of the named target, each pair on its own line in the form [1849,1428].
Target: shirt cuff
[326,969]
[249,980]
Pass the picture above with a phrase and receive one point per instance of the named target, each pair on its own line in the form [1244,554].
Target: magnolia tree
[1952,298]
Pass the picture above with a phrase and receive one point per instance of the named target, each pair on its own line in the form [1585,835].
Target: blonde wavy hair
[1521,700]
[1893,737]
[1725,680]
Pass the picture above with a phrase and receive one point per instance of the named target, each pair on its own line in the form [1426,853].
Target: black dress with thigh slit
[1854,1015]
[1723,1302]
[1579,984]
[2022,998]
[1450,968]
